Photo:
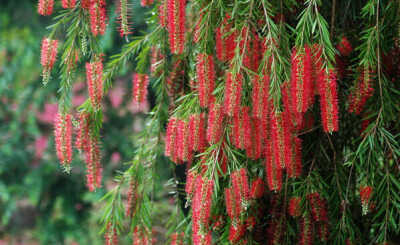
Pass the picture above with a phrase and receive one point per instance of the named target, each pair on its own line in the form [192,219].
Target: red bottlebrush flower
[295,166]
[48,57]
[255,149]
[319,214]
[140,84]
[45,7]
[97,12]
[82,136]
[201,210]
[294,207]
[260,97]
[68,4]
[257,189]
[85,4]
[124,15]
[176,25]
[236,231]
[225,44]
[93,165]
[232,208]
[190,185]
[306,231]
[241,129]
[240,186]
[177,238]
[276,228]
[132,198]
[215,128]
[361,91]
[182,145]
[364,125]
[301,82]
[217,222]
[163,13]
[233,93]
[365,194]
[94,74]
[171,137]
[344,47]
[175,81]
[111,235]
[280,138]
[142,236]
[206,77]
[272,168]
[63,138]
[197,131]
[329,101]
[146,3]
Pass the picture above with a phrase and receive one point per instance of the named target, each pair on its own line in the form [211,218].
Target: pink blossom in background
[47,116]
[142,107]
[81,85]
[115,157]
[40,146]
[78,100]
[116,96]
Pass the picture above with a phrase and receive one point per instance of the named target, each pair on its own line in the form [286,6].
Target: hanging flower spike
[240,186]
[256,146]
[163,13]
[233,93]
[197,129]
[215,128]
[142,236]
[294,170]
[230,203]
[171,137]
[319,214]
[361,91]
[48,57]
[251,49]
[45,7]
[63,138]
[176,25]
[329,102]
[225,44]
[111,235]
[82,137]
[68,4]
[294,207]
[190,186]
[301,81]
[97,12]
[280,138]
[124,15]
[365,194]
[257,189]
[344,47]
[183,151]
[237,230]
[155,61]
[306,232]
[260,97]
[201,210]
[140,84]
[132,198]
[94,74]
[276,228]
[272,168]
[241,128]
[93,165]
[146,3]
[206,77]
[177,238]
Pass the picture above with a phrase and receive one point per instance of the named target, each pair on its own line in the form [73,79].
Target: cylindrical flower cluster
[176,25]
[140,84]
[94,74]
[215,127]
[201,211]
[45,7]
[205,77]
[365,194]
[63,138]
[98,19]
[225,44]
[241,129]
[361,91]
[233,93]
[124,15]
[48,57]
[93,164]
[197,132]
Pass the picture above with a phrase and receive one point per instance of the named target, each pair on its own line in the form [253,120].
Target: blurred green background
[39,204]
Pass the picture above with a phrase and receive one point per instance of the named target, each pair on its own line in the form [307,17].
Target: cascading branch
[256,93]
